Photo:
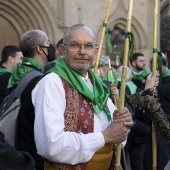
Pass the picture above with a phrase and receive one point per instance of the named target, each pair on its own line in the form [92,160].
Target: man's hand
[115,133]
[117,130]
[123,116]
[152,81]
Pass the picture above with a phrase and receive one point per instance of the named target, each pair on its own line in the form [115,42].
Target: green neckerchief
[140,76]
[166,74]
[107,77]
[101,92]
[23,69]
[4,70]
[131,86]
[54,61]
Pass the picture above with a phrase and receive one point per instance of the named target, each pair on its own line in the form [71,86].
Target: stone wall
[54,16]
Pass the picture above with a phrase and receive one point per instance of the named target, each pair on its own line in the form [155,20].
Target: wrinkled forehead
[79,34]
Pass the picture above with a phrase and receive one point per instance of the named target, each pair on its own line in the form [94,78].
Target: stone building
[54,16]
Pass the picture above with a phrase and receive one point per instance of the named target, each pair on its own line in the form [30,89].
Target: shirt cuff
[96,141]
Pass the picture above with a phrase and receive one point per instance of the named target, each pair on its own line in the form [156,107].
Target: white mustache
[82,57]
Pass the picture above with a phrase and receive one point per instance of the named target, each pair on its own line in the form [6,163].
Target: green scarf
[101,92]
[107,77]
[166,74]
[4,70]
[140,76]
[22,70]
[131,86]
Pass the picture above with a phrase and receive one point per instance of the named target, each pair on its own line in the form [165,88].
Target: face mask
[51,53]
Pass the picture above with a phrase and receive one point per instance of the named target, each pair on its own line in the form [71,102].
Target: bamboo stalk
[124,159]
[115,102]
[154,64]
[102,37]
[123,78]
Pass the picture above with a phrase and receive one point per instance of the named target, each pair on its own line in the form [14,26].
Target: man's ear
[11,59]
[39,50]
[133,63]
[61,48]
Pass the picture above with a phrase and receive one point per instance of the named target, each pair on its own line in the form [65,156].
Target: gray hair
[128,74]
[29,41]
[74,27]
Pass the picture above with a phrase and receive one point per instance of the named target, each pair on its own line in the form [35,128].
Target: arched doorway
[18,16]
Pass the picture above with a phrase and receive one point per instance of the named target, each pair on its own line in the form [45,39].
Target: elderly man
[73,127]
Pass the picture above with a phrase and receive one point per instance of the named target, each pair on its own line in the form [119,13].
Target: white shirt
[51,140]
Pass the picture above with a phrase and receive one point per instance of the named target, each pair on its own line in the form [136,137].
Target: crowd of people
[68,119]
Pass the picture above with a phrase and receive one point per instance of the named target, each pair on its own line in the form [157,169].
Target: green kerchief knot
[4,70]
[108,42]
[100,93]
[23,69]
[159,60]
[130,36]
[108,78]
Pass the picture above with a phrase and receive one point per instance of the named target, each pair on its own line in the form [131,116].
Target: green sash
[100,93]
[22,70]
[131,86]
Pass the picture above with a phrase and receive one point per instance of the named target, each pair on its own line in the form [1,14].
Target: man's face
[80,50]
[17,59]
[139,64]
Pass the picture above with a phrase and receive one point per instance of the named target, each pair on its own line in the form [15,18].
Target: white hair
[128,74]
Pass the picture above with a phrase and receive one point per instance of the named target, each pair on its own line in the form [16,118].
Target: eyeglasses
[141,61]
[77,47]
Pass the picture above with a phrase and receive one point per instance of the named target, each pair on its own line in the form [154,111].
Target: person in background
[73,129]
[163,151]
[11,55]
[138,71]
[36,50]
[161,120]
[103,66]
[58,54]
[135,151]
